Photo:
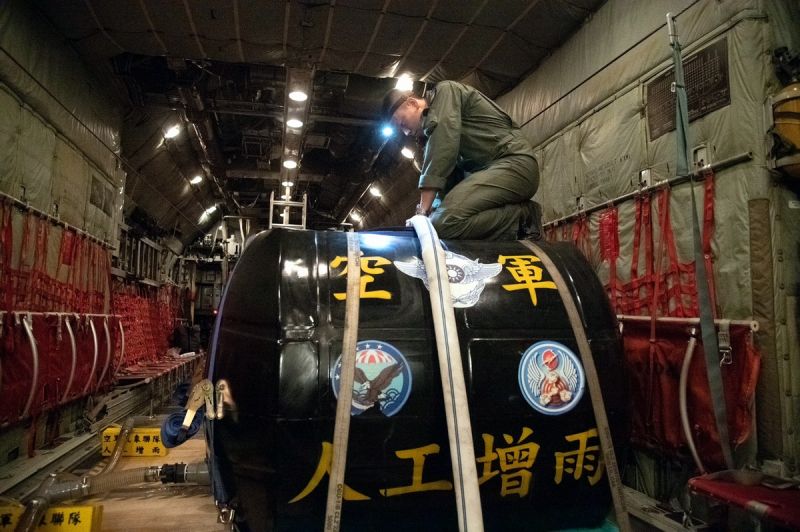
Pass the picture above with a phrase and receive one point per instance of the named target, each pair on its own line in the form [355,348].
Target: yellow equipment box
[61,518]
[142,441]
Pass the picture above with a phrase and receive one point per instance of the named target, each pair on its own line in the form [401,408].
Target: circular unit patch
[382,376]
[551,378]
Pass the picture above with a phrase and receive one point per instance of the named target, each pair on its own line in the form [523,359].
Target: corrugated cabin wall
[59,137]
[61,199]
[585,110]
[57,143]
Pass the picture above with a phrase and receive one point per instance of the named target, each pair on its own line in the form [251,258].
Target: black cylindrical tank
[536,445]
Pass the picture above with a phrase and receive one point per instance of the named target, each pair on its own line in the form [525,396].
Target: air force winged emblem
[467,277]
[551,378]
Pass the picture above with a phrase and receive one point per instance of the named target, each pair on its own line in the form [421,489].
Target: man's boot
[531,222]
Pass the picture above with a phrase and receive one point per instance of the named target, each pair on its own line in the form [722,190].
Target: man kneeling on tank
[465,130]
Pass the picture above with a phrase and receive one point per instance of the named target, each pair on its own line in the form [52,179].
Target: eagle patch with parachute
[382,378]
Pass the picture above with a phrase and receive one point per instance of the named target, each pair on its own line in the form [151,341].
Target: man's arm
[442,126]
[426,197]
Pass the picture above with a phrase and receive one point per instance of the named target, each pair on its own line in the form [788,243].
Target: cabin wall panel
[10,127]
[57,84]
[584,111]
[70,188]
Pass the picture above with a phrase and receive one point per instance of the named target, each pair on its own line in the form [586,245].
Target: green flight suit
[466,130]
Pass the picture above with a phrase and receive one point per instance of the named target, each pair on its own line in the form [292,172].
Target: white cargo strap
[459,427]
[598,405]
[341,427]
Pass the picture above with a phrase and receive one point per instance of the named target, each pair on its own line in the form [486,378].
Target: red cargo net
[46,269]
[653,378]
[45,274]
[659,284]
[149,316]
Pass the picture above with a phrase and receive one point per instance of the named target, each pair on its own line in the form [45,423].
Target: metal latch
[201,396]
[214,398]
[225,514]
[224,398]
[724,343]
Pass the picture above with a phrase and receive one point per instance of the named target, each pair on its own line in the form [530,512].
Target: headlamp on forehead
[392,101]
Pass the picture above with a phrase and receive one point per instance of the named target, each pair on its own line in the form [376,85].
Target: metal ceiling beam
[417,36]
[238,29]
[245,108]
[501,37]
[267,175]
[153,30]
[345,120]
[372,37]
[455,42]
[203,54]
[331,6]
[100,26]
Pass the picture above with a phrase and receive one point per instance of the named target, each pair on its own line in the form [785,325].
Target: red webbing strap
[662,199]
[95,301]
[39,272]
[107,278]
[90,269]
[580,235]
[643,224]
[609,251]
[551,233]
[679,286]
[74,275]
[65,251]
[673,283]
[81,275]
[6,239]
[708,232]
[647,220]
[102,272]
[637,235]
[22,275]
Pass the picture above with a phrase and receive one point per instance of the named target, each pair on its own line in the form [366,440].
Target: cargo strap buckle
[225,514]
[202,395]
[724,342]
[214,398]
[223,399]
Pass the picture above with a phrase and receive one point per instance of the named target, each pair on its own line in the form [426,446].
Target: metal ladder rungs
[287,206]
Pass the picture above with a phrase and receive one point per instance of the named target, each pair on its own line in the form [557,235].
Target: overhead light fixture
[196,179]
[355,216]
[298,96]
[290,164]
[387,131]
[207,213]
[172,131]
[375,191]
[404,83]
[407,152]
[287,184]
[295,123]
